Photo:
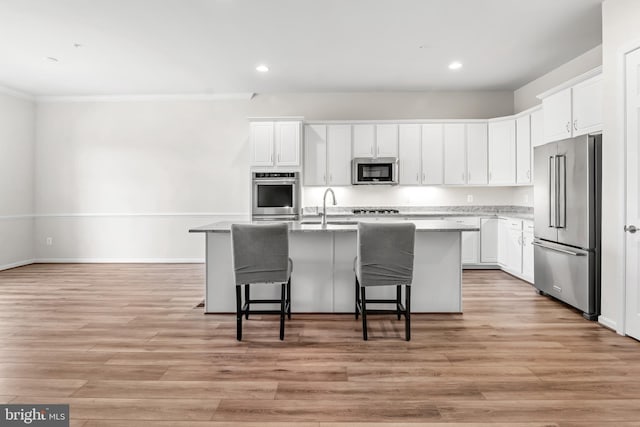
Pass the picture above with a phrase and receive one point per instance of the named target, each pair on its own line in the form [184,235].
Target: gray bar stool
[385,258]
[261,255]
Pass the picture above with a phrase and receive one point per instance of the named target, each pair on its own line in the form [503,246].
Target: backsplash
[484,209]
[421,196]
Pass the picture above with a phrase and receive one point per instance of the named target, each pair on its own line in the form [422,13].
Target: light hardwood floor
[124,346]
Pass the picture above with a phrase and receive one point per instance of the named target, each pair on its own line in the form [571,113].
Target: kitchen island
[323,279]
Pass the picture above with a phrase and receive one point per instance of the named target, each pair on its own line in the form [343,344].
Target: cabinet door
[537,128]
[386,140]
[287,143]
[503,241]
[527,256]
[432,154]
[261,136]
[514,251]
[364,139]
[489,240]
[502,152]
[557,116]
[523,150]
[587,106]
[470,247]
[454,154]
[315,154]
[409,154]
[477,153]
[339,154]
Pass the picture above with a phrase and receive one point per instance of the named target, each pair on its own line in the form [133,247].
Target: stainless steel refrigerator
[567,195]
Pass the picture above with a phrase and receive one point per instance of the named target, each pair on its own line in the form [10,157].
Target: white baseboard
[608,323]
[119,260]
[17,264]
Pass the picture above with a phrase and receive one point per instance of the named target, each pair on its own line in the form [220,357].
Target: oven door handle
[275,181]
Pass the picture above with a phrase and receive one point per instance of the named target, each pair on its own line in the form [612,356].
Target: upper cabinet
[432,154]
[573,111]
[477,151]
[502,152]
[275,143]
[410,168]
[327,155]
[523,150]
[375,140]
[455,159]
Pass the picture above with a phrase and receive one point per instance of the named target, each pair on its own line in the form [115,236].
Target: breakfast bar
[323,279]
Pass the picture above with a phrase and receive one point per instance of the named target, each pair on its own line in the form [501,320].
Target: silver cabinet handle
[378,150]
[575,124]
[529,174]
[271,158]
[630,229]
[424,177]
[330,177]
[568,127]
[558,249]
[417,176]
[463,176]
[371,150]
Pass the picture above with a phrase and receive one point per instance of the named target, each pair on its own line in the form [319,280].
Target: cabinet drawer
[470,221]
[527,226]
[512,224]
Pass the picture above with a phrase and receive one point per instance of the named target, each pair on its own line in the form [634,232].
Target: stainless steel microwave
[382,170]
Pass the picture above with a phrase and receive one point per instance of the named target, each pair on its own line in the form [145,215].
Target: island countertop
[338,226]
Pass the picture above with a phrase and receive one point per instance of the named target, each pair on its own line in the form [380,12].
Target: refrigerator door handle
[564,251]
[552,191]
[561,182]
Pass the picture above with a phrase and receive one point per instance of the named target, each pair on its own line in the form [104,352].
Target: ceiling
[214,46]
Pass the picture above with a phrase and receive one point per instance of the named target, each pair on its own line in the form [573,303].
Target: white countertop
[340,226]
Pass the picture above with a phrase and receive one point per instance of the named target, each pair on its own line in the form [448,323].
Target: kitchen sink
[330,222]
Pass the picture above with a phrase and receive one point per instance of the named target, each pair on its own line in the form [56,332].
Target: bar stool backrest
[260,253]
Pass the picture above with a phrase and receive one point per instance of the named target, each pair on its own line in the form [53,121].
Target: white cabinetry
[275,143]
[432,154]
[537,128]
[470,240]
[327,155]
[476,153]
[523,150]
[489,240]
[386,141]
[515,248]
[573,111]
[527,251]
[364,140]
[371,140]
[502,152]
[409,155]
[315,155]
[339,154]
[455,154]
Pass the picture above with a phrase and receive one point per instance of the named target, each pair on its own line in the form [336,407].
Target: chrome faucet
[324,205]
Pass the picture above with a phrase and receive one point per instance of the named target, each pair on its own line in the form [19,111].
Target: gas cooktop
[375,211]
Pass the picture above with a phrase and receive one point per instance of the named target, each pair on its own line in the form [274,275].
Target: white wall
[17,124]
[525,97]
[620,28]
[125,180]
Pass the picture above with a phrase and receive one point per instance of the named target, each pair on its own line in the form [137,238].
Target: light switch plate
[469,198]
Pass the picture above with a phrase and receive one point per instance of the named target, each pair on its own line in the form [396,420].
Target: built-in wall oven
[275,196]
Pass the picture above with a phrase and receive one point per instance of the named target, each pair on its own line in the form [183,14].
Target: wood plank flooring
[124,345]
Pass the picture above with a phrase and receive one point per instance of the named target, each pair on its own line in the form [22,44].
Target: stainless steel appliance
[567,194]
[383,170]
[275,196]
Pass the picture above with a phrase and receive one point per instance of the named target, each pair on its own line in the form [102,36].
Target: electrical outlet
[469,198]
[49,241]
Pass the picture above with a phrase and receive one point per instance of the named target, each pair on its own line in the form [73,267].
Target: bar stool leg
[238,313]
[282,310]
[365,336]
[247,298]
[398,296]
[357,311]
[407,314]
[289,298]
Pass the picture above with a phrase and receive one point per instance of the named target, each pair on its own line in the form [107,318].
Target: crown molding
[16,93]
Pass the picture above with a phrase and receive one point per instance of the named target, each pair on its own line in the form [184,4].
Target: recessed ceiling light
[455,65]
[51,59]
[77,45]
[262,68]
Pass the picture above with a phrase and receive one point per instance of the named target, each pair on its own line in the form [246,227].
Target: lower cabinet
[515,247]
[470,240]
[489,240]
